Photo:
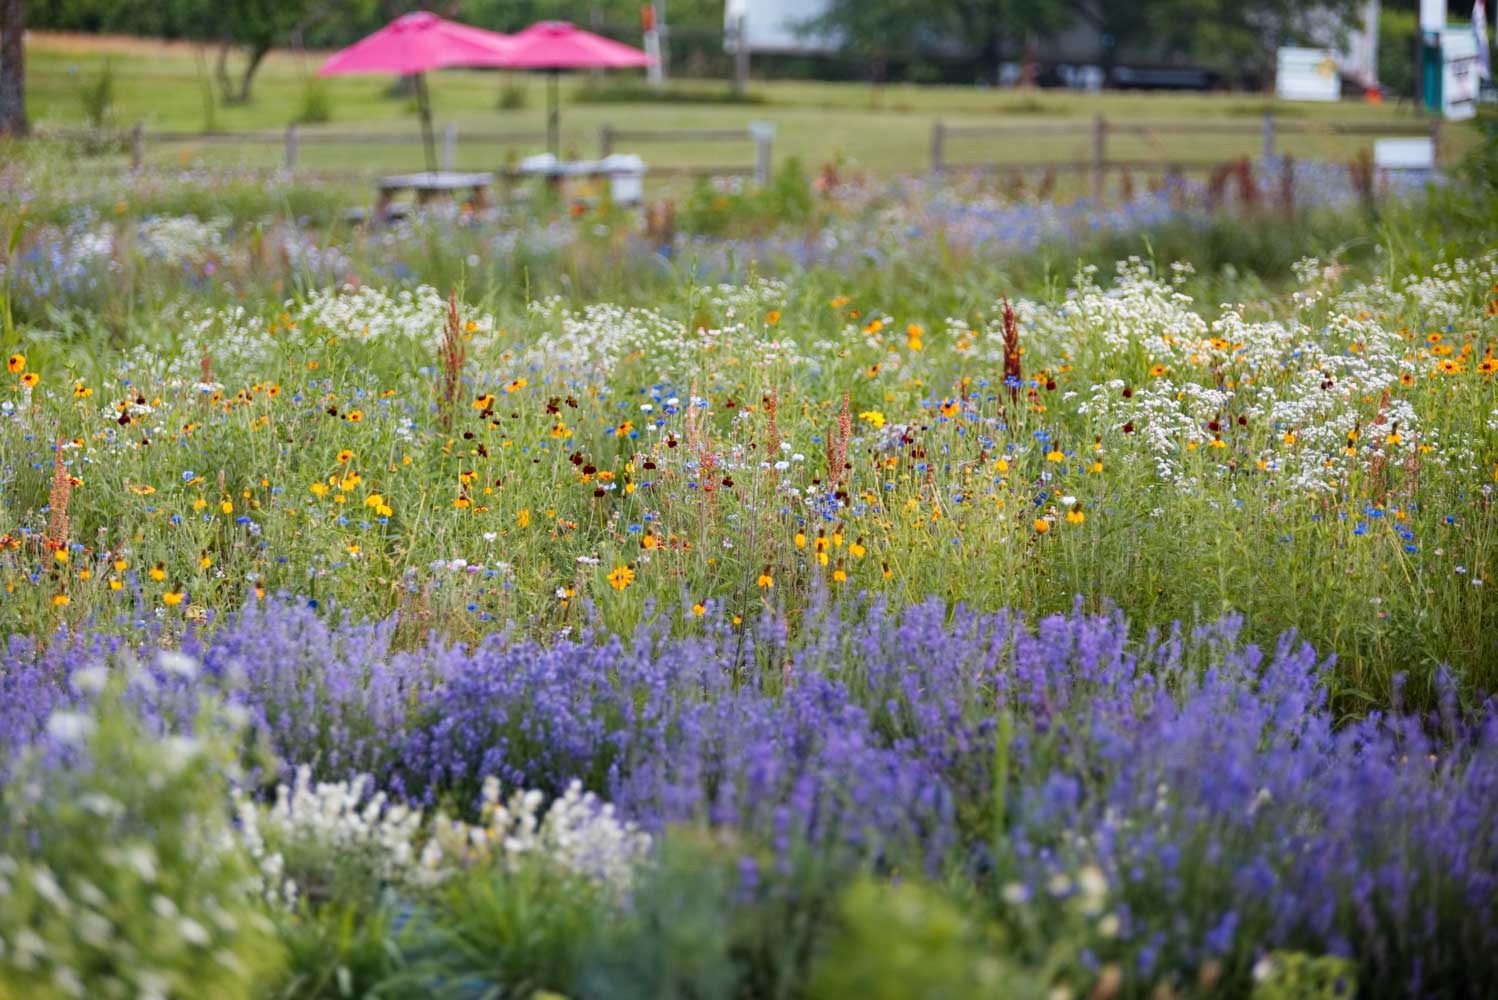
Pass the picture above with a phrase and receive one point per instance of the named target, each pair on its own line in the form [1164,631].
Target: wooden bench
[433,184]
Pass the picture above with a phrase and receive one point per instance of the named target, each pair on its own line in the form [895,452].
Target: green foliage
[317,103]
[905,940]
[1396,53]
[508,931]
[786,201]
[115,871]
[97,98]
[1242,37]
[1291,975]
[514,95]
[340,950]
[631,92]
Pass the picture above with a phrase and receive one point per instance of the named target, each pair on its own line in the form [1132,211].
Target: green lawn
[884,131]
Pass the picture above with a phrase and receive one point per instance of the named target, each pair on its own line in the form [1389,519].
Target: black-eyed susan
[621,576]
[16,364]
[30,379]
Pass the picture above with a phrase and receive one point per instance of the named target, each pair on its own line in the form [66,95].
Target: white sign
[1461,73]
[1307,75]
[1404,154]
[1432,15]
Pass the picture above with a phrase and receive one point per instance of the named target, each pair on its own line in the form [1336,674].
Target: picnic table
[431,184]
[624,173]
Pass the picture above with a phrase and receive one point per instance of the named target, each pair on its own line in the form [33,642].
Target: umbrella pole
[553,115]
[424,107]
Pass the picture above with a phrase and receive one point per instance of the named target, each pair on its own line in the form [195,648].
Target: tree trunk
[256,57]
[12,68]
[221,71]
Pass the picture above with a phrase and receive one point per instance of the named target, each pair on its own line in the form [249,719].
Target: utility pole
[12,68]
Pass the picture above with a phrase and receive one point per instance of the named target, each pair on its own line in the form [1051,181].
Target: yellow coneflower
[765,581]
[172,598]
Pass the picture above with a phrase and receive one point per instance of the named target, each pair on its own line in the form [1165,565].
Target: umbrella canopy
[416,43]
[413,44]
[558,45]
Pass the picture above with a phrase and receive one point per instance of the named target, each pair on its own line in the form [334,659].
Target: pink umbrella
[413,44]
[558,45]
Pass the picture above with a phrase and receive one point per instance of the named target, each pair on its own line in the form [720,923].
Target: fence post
[605,141]
[293,141]
[740,57]
[1099,155]
[938,140]
[137,146]
[1268,153]
[449,146]
[762,133]
[1435,143]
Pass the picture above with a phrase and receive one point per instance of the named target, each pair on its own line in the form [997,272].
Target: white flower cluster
[329,823]
[597,338]
[178,240]
[1320,392]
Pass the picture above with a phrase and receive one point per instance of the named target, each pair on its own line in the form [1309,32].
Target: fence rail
[1097,132]
[1267,129]
[294,138]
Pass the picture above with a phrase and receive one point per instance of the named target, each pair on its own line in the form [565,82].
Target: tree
[12,68]
[257,26]
[1243,36]
[978,32]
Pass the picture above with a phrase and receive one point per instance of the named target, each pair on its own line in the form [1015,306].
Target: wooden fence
[1098,131]
[1094,134]
[295,138]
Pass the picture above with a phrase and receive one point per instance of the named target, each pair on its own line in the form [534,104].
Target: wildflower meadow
[908,589]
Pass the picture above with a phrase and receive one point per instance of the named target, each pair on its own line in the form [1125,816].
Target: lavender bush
[1182,804]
